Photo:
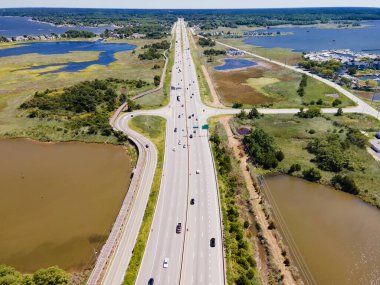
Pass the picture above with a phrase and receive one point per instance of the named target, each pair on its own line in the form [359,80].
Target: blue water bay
[305,39]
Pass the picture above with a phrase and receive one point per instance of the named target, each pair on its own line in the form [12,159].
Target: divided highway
[185,240]
[188,193]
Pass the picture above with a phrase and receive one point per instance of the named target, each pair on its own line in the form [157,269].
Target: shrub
[312,174]
[237,105]
[294,167]
[345,183]
[336,102]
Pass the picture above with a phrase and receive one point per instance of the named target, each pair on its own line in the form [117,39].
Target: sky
[172,4]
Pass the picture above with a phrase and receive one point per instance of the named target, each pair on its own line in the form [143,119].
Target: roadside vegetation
[152,127]
[327,149]
[237,231]
[80,112]
[198,62]
[48,276]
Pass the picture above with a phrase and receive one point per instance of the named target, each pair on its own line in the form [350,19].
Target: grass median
[152,127]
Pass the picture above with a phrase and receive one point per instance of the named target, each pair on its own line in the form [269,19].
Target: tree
[157,80]
[254,114]
[352,70]
[312,174]
[262,148]
[309,113]
[336,102]
[50,276]
[301,91]
[330,152]
[339,112]
[242,115]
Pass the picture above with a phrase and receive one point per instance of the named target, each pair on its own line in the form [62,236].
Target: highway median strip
[152,127]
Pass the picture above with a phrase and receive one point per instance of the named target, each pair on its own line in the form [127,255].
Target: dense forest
[206,19]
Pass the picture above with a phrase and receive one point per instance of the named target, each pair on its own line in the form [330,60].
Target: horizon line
[209,8]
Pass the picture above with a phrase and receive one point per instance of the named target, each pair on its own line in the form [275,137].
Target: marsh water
[232,63]
[305,39]
[107,52]
[58,201]
[337,235]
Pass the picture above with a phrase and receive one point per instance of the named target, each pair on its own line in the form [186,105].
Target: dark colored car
[178,228]
[146,146]
[151,281]
[191,136]
[175,130]
[192,201]
[212,242]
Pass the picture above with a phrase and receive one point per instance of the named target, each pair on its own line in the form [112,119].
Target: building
[234,52]
[375,145]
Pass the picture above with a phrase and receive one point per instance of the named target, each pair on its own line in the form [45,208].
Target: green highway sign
[205,127]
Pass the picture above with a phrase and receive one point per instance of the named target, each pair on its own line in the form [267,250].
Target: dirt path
[215,99]
[275,249]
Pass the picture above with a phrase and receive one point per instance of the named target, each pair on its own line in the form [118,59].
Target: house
[375,145]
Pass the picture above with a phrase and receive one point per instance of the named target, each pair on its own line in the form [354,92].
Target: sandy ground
[275,249]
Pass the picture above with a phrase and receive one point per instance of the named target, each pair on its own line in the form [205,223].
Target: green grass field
[153,128]
[292,134]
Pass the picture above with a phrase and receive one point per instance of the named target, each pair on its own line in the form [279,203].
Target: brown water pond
[58,201]
[336,234]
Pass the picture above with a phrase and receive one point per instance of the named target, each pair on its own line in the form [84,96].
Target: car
[173,148]
[192,201]
[191,136]
[197,171]
[212,242]
[178,228]
[179,142]
[151,281]
[175,130]
[179,116]
[192,115]
[184,146]
[194,131]
[166,262]
[189,117]
[147,146]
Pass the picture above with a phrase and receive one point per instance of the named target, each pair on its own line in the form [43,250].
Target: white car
[197,171]
[166,262]
[179,142]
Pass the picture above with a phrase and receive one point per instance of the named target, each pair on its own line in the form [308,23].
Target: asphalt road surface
[191,258]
